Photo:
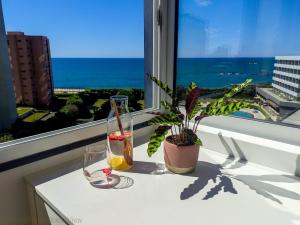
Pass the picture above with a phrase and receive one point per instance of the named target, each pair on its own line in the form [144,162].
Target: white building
[286,77]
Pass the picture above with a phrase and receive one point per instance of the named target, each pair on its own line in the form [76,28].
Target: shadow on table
[242,160]
[267,190]
[258,183]
[150,168]
[206,172]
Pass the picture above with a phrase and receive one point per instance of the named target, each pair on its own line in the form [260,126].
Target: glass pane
[222,43]
[68,58]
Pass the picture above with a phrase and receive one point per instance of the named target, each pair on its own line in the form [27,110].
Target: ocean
[129,72]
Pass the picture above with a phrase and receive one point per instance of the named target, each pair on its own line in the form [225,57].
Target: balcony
[287,82]
[292,75]
[286,90]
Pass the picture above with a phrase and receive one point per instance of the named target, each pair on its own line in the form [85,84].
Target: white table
[241,194]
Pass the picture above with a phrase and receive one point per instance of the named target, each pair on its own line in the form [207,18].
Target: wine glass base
[110,182]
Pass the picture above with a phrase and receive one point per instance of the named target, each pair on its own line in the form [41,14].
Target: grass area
[63,97]
[22,110]
[36,116]
[4,137]
[99,102]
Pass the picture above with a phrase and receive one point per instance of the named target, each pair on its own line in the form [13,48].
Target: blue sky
[114,28]
[239,28]
[81,28]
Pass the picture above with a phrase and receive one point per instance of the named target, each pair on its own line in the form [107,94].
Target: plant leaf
[237,89]
[191,98]
[201,116]
[170,109]
[156,139]
[198,142]
[191,86]
[223,106]
[229,108]
[195,110]
[163,86]
[165,119]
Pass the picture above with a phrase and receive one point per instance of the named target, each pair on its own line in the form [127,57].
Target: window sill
[267,144]
[81,134]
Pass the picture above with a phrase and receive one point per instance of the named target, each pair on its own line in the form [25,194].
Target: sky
[81,28]
[114,28]
[239,28]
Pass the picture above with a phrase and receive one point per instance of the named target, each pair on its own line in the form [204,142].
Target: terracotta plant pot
[180,159]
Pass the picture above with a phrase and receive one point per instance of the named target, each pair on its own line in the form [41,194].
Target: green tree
[103,112]
[70,111]
[132,99]
[75,100]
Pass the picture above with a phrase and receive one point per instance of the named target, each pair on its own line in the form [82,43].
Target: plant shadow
[258,183]
[270,191]
[206,172]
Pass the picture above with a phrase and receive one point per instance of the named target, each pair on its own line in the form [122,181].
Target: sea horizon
[178,57]
[207,72]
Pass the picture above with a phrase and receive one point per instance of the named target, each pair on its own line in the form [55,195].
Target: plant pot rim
[179,146]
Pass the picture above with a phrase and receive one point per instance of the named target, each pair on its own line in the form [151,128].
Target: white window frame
[161,37]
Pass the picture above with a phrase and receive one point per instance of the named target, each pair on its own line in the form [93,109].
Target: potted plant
[181,148]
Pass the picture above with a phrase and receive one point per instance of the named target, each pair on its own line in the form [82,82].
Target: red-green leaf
[191,98]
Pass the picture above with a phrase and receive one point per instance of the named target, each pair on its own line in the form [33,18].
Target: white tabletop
[219,192]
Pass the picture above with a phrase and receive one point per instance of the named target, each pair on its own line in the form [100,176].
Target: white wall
[14,206]
[268,144]
[14,202]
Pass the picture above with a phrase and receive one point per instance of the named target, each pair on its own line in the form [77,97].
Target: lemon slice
[116,162]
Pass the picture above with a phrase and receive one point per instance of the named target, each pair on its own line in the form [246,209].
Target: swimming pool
[242,114]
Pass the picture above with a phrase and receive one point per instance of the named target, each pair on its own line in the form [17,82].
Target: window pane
[222,43]
[68,57]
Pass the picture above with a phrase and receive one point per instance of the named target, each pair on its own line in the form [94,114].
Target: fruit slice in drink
[120,157]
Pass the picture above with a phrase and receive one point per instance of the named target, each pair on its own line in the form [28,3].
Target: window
[92,58]
[222,43]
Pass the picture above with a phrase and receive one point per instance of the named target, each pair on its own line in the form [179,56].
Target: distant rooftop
[293,118]
[15,33]
[22,34]
[278,98]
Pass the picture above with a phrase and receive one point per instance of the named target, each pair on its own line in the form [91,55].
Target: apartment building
[284,96]
[286,77]
[30,60]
